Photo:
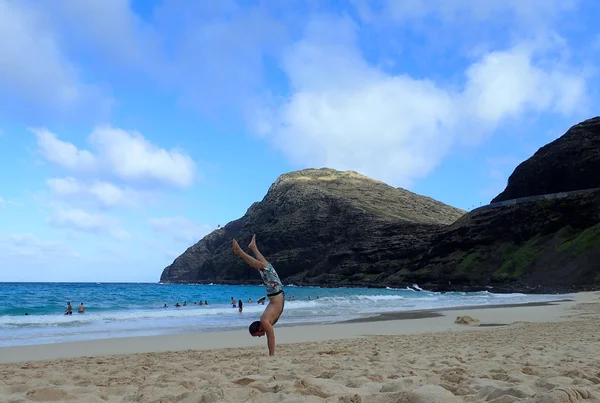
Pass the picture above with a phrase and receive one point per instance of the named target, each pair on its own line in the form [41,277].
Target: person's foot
[236,247]
[252,243]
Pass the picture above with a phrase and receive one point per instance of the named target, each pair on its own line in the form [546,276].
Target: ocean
[121,310]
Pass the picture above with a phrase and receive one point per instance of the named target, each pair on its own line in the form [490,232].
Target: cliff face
[330,228]
[539,246]
[571,162]
[320,226]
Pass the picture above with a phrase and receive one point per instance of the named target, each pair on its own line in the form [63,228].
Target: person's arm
[270,332]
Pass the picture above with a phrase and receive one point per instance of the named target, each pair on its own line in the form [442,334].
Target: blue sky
[130,129]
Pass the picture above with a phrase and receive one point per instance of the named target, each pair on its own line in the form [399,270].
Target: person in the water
[274,289]
[69,310]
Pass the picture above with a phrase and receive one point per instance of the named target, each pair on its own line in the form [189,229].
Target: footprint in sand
[47,395]
[19,388]
[244,381]
[564,395]
[423,394]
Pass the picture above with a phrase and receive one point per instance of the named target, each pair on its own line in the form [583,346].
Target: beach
[545,352]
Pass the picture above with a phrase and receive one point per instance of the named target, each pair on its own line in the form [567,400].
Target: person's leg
[256,252]
[257,264]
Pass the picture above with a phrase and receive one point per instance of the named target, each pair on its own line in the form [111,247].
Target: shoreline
[530,354]
[392,323]
[435,312]
[426,287]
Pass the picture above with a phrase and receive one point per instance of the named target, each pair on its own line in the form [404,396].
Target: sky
[131,129]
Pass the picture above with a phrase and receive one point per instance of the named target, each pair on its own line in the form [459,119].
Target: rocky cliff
[321,226]
[571,162]
[539,246]
[330,228]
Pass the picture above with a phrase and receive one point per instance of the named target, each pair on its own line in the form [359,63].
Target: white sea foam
[109,320]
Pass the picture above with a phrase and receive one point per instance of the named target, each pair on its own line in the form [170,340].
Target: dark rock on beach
[330,228]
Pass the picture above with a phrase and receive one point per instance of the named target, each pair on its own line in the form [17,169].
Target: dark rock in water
[569,163]
[329,228]
[320,226]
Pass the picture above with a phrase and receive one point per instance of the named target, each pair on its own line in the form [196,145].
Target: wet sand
[433,313]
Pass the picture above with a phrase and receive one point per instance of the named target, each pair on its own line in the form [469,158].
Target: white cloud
[505,84]
[131,157]
[107,193]
[2,202]
[64,186]
[99,194]
[174,46]
[181,228]
[346,114]
[30,247]
[79,220]
[62,153]
[34,70]
[118,155]
[124,155]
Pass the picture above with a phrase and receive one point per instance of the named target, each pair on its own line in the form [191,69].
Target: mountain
[542,241]
[329,228]
[571,162]
[544,245]
[320,226]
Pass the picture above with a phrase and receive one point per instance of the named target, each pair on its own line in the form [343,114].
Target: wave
[334,306]
[379,297]
[413,288]
[399,289]
[130,315]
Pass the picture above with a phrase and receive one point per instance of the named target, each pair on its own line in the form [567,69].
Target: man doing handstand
[274,292]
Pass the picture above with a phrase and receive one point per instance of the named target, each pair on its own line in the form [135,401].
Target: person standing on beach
[274,289]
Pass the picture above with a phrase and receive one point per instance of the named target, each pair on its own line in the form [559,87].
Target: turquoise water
[118,310]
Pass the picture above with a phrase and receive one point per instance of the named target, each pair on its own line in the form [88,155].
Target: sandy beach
[531,353]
